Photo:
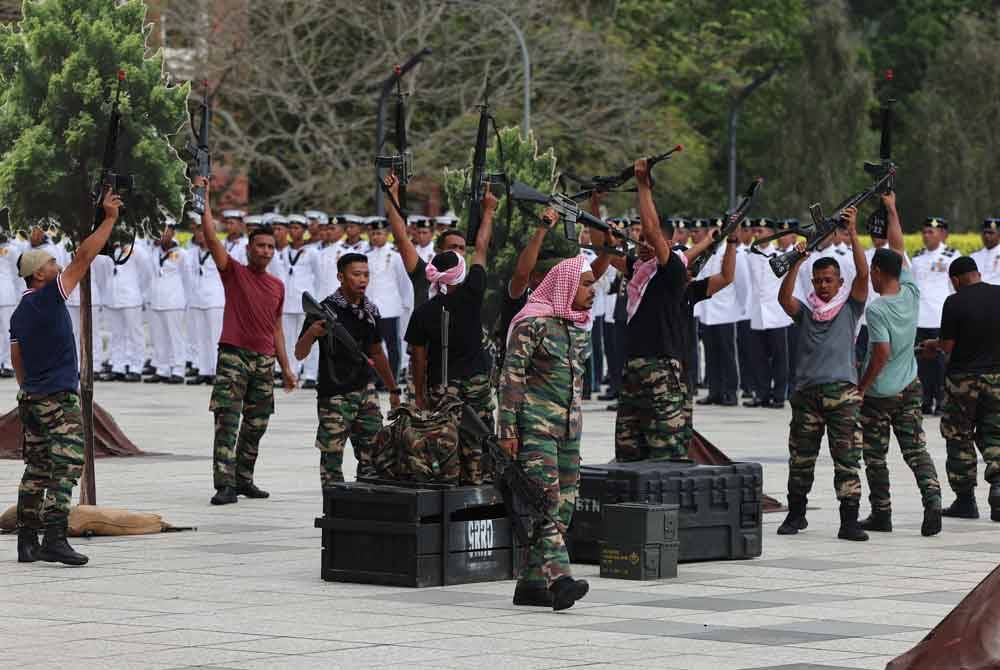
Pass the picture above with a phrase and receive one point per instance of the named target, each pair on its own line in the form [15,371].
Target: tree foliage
[58,66]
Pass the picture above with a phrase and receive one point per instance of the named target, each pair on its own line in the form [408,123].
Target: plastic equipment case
[415,534]
[719,506]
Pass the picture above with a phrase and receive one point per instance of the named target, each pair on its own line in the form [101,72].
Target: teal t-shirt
[893,319]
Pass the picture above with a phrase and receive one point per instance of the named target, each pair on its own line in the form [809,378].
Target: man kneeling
[347,404]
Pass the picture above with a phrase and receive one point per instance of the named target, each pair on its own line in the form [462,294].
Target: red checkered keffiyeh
[554,296]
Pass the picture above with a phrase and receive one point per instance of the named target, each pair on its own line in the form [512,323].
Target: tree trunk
[88,487]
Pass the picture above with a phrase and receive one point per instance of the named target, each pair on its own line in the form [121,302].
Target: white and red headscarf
[441,280]
[554,296]
[828,311]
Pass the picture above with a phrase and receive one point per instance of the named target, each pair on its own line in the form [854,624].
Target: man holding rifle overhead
[252,337]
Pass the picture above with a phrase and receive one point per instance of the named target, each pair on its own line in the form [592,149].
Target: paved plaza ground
[244,591]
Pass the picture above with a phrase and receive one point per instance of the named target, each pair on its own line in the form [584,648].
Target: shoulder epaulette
[949,251]
[919,252]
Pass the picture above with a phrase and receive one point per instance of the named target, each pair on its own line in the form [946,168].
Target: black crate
[639,561]
[408,535]
[719,506]
[640,523]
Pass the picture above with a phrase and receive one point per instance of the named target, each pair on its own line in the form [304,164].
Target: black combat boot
[932,521]
[250,490]
[995,501]
[850,529]
[27,545]
[879,520]
[55,548]
[532,595]
[566,591]
[224,496]
[964,507]
[796,519]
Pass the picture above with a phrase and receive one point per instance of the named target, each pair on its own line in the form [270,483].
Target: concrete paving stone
[765,636]
[868,662]
[711,604]
[641,627]
[803,564]
[801,666]
[437,597]
[188,637]
[287,645]
[845,628]
[862,645]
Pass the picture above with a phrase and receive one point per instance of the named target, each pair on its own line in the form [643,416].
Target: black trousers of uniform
[861,348]
[388,329]
[691,369]
[772,364]
[746,354]
[610,343]
[595,369]
[931,372]
[720,358]
[621,346]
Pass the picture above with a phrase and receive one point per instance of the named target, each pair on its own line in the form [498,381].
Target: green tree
[522,162]
[58,68]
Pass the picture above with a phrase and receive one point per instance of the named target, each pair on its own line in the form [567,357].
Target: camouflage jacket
[542,379]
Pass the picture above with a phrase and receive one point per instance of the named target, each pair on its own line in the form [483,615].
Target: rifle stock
[110,179]
[200,152]
[731,222]
[567,208]
[336,332]
[606,184]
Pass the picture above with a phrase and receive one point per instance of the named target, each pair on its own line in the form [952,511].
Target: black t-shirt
[352,374]
[466,356]
[661,323]
[420,284]
[971,318]
[695,292]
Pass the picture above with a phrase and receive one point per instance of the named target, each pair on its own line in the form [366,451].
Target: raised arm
[92,246]
[719,281]
[485,229]
[696,250]
[786,294]
[859,289]
[404,245]
[894,228]
[647,213]
[212,243]
[528,257]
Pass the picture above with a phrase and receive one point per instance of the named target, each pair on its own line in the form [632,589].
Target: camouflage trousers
[244,385]
[653,420]
[52,432]
[971,416]
[834,408]
[556,464]
[903,414]
[354,415]
[477,393]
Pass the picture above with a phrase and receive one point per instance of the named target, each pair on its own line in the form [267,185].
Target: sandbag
[92,520]
[420,445]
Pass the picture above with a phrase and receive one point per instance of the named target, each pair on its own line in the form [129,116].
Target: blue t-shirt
[42,328]
[892,319]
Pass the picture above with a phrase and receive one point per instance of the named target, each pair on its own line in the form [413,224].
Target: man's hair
[888,262]
[263,229]
[962,266]
[347,259]
[824,263]
[445,260]
[439,242]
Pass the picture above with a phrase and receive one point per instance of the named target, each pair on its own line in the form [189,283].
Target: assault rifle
[199,151]
[821,228]
[335,332]
[878,221]
[112,180]
[568,210]
[401,162]
[614,183]
[524,497]
[732,220]
[481,180]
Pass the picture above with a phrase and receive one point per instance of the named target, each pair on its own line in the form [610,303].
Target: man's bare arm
[719,281]
[485,232]
[91,246]
[404,245]
[894,227]
[418,357]
[17,362]
[879,358]
[859,288]
[212,243]
[786,297]
[647,213]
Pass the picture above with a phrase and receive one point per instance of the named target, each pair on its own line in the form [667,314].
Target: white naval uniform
[100,268]
[988,262]
[765,312]
[726,305]
[167,302]
[301,268]
[10,294]
[326,274]
[841,253]
[390,288]
[426,252]
[124,290]
[206,300]
[237,248]
[930,270]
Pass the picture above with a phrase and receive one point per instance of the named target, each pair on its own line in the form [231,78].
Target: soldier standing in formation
[389,288]
[252,337]
[347,403]
[206,302]
[826,394]
[930,268]
[540,420]
[889,384]
[301,263]
[44,354]
[167,302]
[988,258]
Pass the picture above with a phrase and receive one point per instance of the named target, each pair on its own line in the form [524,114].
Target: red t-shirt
[254,302]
